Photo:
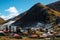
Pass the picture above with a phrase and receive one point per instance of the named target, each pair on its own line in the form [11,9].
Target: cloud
[12,13]
[12,10]
[3,16]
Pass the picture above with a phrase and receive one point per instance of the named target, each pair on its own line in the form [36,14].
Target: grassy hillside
[1,20]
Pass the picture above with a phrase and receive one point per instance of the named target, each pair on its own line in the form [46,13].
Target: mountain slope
[55,6]
[1,20]
[38,13]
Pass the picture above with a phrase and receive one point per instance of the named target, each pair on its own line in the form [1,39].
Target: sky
[12,8]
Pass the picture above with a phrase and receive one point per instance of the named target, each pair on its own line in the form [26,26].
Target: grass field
[24,38]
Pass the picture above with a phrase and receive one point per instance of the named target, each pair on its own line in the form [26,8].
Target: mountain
[1,20]
[55,6]
[32,16]
[37,14]
[14,19]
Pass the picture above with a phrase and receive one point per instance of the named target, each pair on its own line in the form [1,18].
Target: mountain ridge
[55,6]
[37,13]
